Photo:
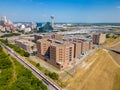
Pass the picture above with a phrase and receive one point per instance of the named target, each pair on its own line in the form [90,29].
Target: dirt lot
[98,72]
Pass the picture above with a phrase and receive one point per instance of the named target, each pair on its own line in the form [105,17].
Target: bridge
[114,50]
[111,49]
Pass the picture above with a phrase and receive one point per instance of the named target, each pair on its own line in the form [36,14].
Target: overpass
[110,48]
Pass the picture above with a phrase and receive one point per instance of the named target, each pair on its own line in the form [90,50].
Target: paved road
[115,44]
[47,81]
[109,48]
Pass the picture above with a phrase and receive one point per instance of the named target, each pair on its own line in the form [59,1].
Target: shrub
[24,79]
[16,48]
[108,36]
[4,63]
[11,34]
[37,64]
[52,75]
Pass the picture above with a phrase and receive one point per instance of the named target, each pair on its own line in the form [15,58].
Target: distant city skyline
[75,11]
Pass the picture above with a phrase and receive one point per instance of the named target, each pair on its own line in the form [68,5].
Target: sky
[79,11]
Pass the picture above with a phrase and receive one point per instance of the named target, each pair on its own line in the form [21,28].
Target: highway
[41,76]
[110,48]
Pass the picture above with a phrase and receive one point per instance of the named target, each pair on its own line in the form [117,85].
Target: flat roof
[64,44]
[26,42]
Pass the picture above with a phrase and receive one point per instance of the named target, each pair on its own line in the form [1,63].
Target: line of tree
[52,75]
[11,34]
[16,48]
[23,79]
[114,36]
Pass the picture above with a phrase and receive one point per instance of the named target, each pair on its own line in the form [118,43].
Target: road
[109,48]
[46,80]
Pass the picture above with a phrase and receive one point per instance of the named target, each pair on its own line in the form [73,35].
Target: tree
[108,36]
[26,54]
[32,47]
[37,64]
[52,75]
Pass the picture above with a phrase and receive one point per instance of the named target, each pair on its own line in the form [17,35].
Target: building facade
[61,53]
[26,45]
[58,53]
[99,38]
[81,47]
[77,49]
[47,36]
[43,47]
[47,27]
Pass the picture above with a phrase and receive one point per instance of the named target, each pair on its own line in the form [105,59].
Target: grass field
[14,76]
[116,58]
[97,72]
[116,84]
[111,41]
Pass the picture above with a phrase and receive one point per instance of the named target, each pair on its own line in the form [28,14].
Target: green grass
[52,75]
[16,48]
[36,65]
[14,76]
[10,35]
[113,36]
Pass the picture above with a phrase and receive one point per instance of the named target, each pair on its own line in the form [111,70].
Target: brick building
[43,46]
[81,46]
[99,38]
[26,45]
[62,54]
[58,53]
[47,36]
